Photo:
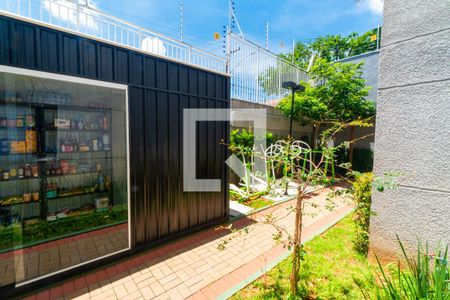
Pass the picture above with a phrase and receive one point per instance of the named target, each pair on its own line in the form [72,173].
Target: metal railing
[257,74]
[89,21]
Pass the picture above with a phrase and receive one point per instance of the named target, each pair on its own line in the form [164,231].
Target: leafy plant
[45,230]
[335,93]
[332,47]
[362,195]
[427,276]
[244,139]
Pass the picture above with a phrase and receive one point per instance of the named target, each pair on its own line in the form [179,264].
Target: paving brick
[192,268]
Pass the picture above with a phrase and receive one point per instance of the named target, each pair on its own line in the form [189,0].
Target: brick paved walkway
[193,267]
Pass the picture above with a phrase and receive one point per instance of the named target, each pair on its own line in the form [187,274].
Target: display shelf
[49,138]
[75,174]
[78,152]
[17,128]
[19,179]
[18,154]
[77,195]
[19,203]
[66,107]
[76,130]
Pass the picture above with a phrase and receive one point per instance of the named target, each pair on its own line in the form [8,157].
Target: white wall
[413,125]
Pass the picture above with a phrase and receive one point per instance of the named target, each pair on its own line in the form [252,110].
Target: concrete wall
[370,70]
[413,125]
[276,122]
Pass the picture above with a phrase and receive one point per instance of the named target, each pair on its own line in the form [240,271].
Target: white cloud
[66,12]
[154,45]
[376,6]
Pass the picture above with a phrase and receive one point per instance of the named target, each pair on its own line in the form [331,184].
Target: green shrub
[362,194]
[426,277]
[245,138]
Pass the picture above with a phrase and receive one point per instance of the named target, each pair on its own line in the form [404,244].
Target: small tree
[336,92]
[305,178]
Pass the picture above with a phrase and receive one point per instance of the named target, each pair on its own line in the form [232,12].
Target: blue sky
[288,19]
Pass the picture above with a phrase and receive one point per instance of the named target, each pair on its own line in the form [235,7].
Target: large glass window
[63,173]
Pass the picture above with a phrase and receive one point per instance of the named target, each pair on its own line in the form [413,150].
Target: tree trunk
[350,149]
[297,243]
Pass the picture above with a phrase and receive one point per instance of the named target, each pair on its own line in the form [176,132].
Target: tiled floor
[194,267]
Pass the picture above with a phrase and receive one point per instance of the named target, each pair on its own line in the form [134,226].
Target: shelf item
[56,151]
[20,199]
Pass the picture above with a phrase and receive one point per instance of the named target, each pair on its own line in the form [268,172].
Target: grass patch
[259,203]
[329,270]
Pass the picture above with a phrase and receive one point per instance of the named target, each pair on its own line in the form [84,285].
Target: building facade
[413,126]
[91,152]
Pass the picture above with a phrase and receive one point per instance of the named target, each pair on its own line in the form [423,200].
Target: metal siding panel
[137,156]
[210,81]
[122,66]
[89,59]
[161,72]
[151,166]
[5,42]
[173,77]
[194,202]
[173,166]
[163,161]
[24,42]
[70,59]
[202,84]
[185,198]
[49,50]
[202,163]
[150,72]
[106,62]
[184,79]
[136,74]
[193,82]
[218,87]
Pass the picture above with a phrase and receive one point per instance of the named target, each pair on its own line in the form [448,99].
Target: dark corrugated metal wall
[158,91]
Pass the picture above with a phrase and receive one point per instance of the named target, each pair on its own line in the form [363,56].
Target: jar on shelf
[19,121]
[3,122]
[26,197]
[27,171]
[29,121]
[35,196]
[35,170]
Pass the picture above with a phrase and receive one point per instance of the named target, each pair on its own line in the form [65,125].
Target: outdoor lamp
[294,87]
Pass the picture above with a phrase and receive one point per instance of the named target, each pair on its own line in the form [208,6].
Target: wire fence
[89,21]
[257,74]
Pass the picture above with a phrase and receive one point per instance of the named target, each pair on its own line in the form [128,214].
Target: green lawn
[259,203]
[329,270]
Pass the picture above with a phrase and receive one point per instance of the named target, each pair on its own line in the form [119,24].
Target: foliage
[243,140]
[336,92]
[426,277]
[313,175]
[44,230]
[332,47]
[362,195]
[331,266]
